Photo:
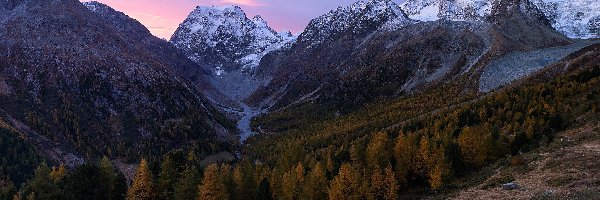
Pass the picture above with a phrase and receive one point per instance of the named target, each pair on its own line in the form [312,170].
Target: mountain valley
[428,99]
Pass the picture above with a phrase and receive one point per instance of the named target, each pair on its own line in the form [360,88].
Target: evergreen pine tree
[42,187]
[120,188]
[167,179]
[109,174]
[264,190]
[187,186]
[88,182]
[7,188]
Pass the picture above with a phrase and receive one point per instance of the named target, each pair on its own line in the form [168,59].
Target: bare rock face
[520,26]
[99,82]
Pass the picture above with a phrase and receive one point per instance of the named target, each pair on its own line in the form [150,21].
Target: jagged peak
[285,33]
[367,6]
[94,5]
[260,22]
[230,11]
[258,18]
[360,16]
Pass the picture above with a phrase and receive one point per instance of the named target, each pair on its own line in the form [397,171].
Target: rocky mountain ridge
[357,59]
[98,83]
[576,19]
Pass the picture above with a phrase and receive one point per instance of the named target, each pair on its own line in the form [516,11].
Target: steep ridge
[360,60]
[461,10]
[165,51]
[94,82]
[320,51]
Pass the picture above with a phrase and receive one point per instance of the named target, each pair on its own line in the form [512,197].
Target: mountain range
[375,100]
[84,80]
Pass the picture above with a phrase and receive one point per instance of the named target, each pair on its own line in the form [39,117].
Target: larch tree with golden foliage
[391,184]
[405,153]
[58,173]
[376,186]
[376,156]
[212,187]
[292,182]
[141,188]
[314,187]
[345,185]
[475,145]
[238,181]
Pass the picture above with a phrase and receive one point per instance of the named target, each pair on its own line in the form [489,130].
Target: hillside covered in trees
[421,151]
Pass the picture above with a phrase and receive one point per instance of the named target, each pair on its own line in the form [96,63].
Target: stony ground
[517,65]
[568,168]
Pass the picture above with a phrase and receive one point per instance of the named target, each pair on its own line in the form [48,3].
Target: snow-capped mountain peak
[224,37]
[360,17]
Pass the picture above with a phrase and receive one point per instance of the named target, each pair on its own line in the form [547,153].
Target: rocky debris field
[517,65]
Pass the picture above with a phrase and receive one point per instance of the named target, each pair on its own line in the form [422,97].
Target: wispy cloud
[149,16]
[252,3]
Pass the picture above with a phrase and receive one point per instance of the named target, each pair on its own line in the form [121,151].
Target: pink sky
[162,17]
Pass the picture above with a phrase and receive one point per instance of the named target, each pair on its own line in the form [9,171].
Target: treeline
[17,161]
[89,181]
[177,177]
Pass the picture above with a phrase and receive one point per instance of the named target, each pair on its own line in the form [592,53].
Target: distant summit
[223,37]
[361,17]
